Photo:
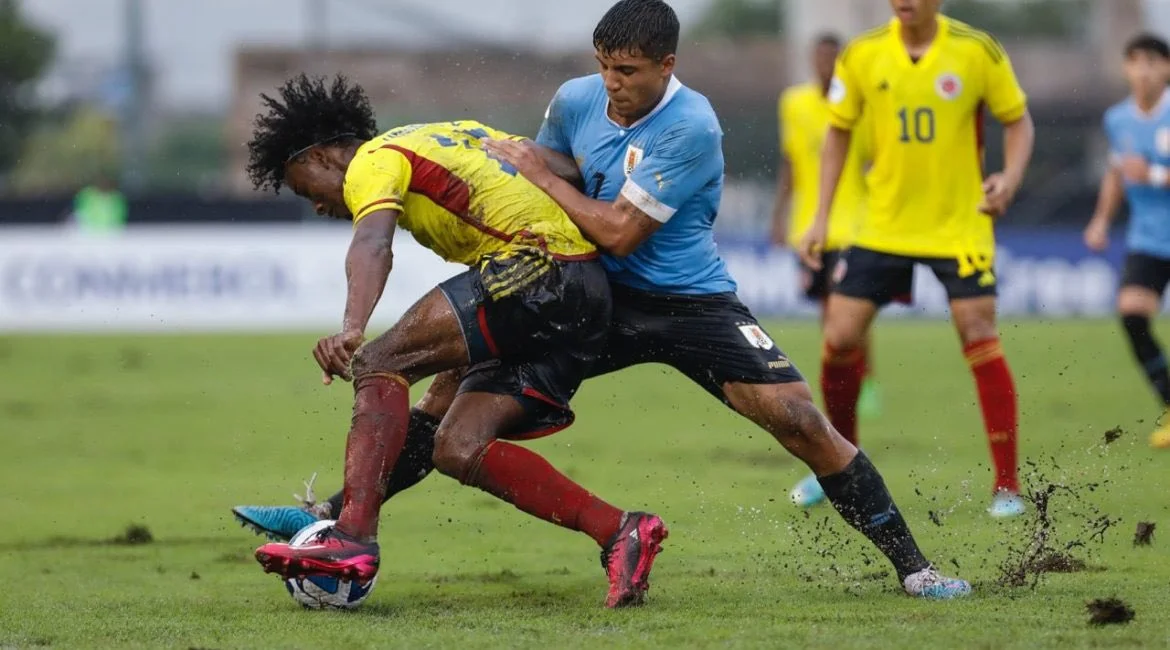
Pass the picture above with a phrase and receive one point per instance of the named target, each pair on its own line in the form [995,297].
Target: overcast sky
[191,42]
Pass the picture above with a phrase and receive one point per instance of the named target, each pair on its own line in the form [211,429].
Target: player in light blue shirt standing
[1138,130]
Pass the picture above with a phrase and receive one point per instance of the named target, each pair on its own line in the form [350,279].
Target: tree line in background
[60,148]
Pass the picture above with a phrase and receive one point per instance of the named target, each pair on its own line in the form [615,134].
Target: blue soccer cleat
[280,523]
[808,492]
[932,585]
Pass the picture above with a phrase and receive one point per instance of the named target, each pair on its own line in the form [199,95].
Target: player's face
[824,57]
[318,178]
[915,13]
[634,82]
[1146,72]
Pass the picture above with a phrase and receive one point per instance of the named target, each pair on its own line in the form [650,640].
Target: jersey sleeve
[376,180]
[681,163]
[1005,99]
[556,130]
[784,113]
[845,100]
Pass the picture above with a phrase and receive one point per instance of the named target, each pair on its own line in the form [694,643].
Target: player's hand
[813,245]
[998,192]
[334,353]
[1097,235]
[1134,169]
[779,230]
[521,154]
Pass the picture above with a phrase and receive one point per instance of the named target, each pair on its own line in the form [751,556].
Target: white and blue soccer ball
[325,592]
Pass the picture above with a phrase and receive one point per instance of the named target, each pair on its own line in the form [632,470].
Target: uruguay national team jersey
[1131,132]
[669,164]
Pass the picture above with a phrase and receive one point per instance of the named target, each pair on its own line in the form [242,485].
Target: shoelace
[310,499]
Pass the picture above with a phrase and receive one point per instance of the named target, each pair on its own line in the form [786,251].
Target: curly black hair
[305,112]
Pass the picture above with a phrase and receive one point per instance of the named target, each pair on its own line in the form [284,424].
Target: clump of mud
[1113,434]
[1144,535]
[134,535]
[1108,611]
[1041,549]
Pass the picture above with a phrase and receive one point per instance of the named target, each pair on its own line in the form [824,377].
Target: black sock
[413,464]
[1148,353]
[860,495]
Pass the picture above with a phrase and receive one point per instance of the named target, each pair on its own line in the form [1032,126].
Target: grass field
[169,432]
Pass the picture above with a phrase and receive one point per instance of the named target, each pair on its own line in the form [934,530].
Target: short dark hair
[1147,42]
[648,27]
[306,112]
[828,38]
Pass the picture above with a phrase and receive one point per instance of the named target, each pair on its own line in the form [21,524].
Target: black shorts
[713,339]
[1147,271]
[882,278]
[533,326]
[817,284]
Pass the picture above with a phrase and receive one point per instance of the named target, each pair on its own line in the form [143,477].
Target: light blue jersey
[669,164]
[1132,132]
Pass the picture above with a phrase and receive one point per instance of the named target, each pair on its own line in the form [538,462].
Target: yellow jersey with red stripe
[926,180]
[804,120]
[456,199]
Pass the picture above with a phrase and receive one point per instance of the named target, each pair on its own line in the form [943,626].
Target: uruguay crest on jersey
[633,157]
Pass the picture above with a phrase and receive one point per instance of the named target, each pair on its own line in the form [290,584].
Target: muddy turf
[122,455]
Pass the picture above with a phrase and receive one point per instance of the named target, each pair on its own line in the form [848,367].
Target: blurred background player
[804,119]
[925,79]
[1138,130]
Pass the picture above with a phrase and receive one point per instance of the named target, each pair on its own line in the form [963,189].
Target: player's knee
[456,451]
[842,341]
[367,361]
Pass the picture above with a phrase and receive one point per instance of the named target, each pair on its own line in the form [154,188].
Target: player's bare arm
[1000,189]
[782,208]
[561,165]
[836,148]
[367,265]
[618,227]
[1109,198]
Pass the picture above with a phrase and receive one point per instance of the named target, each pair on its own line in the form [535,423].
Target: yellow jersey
[456,199]
[804,120]
[926,180]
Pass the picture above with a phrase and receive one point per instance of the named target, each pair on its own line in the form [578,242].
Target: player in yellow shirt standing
[520,327]
[924,81]
[804,119]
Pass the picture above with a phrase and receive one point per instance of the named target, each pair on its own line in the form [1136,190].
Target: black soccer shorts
[533,326]
[713,339]
[817,284]
[882,278]
[1147,271]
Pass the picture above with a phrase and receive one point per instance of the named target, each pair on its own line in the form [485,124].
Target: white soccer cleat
[808,492]
[932,585]
[1006,504]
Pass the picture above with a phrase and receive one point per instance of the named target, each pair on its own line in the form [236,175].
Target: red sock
[381,411]
[527,481]
[866,372]
[841,374]
[997,398]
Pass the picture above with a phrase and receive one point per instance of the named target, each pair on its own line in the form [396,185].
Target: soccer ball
[325,592]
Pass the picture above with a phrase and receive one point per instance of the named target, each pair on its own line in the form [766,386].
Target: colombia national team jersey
[456,199]
[926,180]
[804,120]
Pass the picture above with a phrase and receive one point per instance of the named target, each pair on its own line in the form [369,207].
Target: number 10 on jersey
[917,124]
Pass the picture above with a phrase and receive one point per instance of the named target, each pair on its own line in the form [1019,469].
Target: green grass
[169,432]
